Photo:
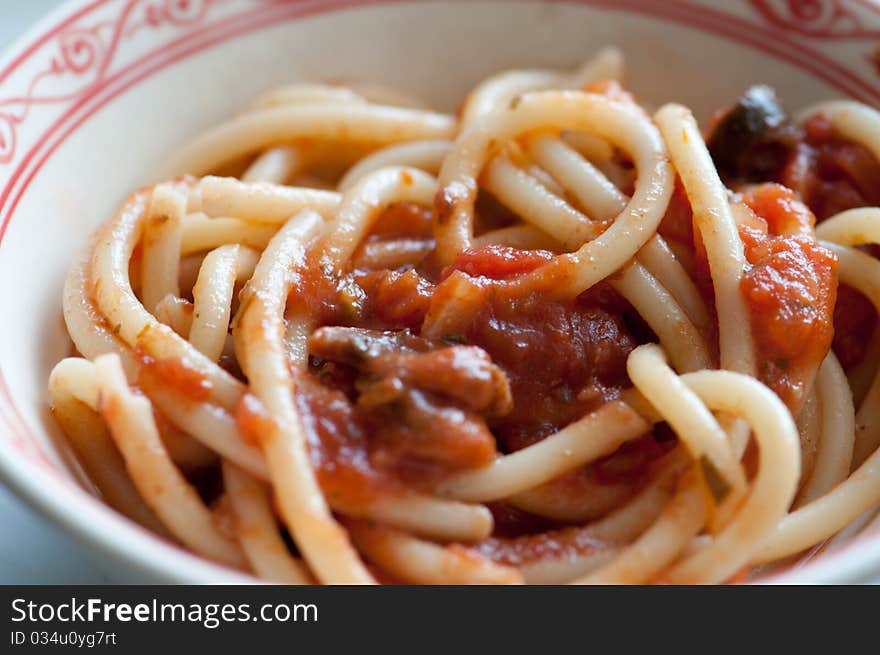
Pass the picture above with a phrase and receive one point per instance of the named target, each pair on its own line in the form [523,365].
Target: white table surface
[33,551]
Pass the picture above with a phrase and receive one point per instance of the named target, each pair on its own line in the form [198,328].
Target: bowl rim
[25,468]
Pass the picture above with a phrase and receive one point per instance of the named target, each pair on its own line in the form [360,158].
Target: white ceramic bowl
[93,98]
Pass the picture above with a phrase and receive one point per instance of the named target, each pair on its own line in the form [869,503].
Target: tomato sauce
[498,262]
[556,544]
[780,209]
[380,299]
[829,173]
[563,359]
[678,221]
[403,220]
[790,286]
[373,420]
[337,443]
[855,320]
[790,289]
[178,374]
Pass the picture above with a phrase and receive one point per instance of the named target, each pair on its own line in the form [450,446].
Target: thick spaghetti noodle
[553,338]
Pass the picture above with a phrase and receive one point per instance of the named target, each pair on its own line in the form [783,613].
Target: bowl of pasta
[372,291]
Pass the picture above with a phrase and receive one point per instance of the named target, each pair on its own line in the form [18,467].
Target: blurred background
[31,550]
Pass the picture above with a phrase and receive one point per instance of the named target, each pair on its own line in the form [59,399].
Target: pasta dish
[557,337]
